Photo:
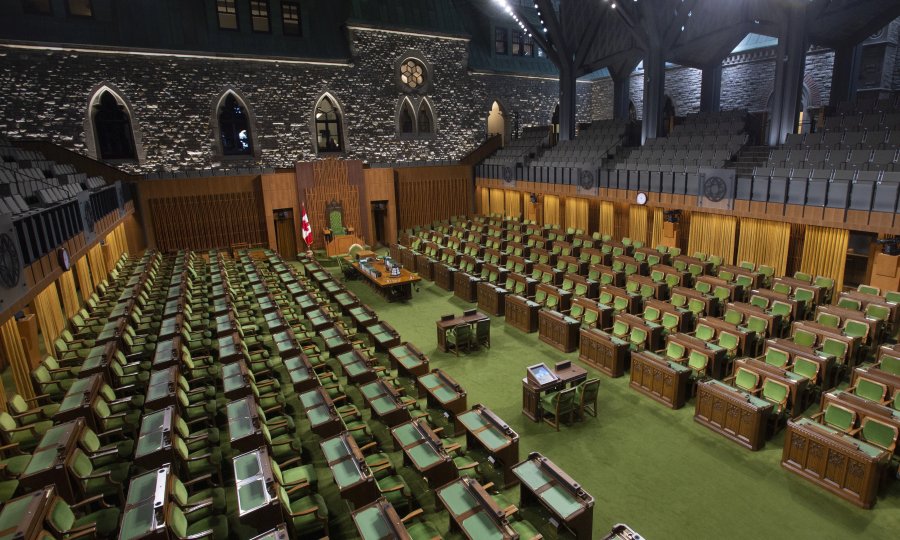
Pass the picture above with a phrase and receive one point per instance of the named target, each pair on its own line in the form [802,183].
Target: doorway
[496,123]
[379,220]
[285,235]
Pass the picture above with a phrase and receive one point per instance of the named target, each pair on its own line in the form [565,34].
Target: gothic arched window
[234,128]
[112,126]
[329,134]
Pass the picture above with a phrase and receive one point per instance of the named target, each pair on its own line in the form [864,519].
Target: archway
[632,112]
[110,127]
[328,125]
[496,123]
[804,119]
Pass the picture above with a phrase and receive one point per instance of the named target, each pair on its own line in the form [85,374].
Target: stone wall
[747,81]
[173,101]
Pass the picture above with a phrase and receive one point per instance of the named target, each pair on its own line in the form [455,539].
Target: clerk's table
[539,379]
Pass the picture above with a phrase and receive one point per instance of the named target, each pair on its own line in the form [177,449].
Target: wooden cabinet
[735,414]
[603,351]
[659,379]
[491,299]
[522,313]
[558,330]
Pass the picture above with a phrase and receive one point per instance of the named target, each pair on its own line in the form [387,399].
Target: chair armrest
[203,478]
[304,512]
[89,500]
[392,489]
[291,461]
[297,487]
[40,397]
[414,514]
[368,446]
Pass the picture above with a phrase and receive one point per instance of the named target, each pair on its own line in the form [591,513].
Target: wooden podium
[340,244]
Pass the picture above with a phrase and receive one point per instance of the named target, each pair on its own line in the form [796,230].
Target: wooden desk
[383,336]
[875,374]
[23,518]
[572,265]
[423,450]
[346,300]
[848,467]
[711,304]
[486,432]
[444,275]
[604,312]
[660,289]
[595,256]
[393,288]
[244,430]
[319,319]
[385,402]
[733,413]
[775,296]
[773,322]
[749,344]
[545,485]
[161,389]
[473,512]
[111,331]
[146,507]
[634,302]
[686,321]
[588,287]
[349,470]
[687,261]
[258,503]
[558,330]
[794,284]
[408,360]
[823,332]
[630,263]
[78,402]
[444,326]
[796,383]
[718,366]
[522,313]
[491,299]
[874,333]
[362,316]
[321,413]
[755,277]
[379,520]
[442,391]
[826,362]
[604,351]
[531,394]
[654,331]
[521,285]
[168,353]
[336,340]
[864,408]
[736,293]
[465,286]
[663,380]
[154,441]
[98,361]
[51,461]
[171,326]
[302,374]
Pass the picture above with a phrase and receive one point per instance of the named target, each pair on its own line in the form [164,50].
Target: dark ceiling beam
[554,29]
[707,49]
[589,36]
[631,21]
[610,61]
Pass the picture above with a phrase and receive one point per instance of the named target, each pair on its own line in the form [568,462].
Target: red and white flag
[305,229]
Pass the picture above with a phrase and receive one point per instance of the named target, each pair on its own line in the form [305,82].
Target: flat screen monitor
[540,374]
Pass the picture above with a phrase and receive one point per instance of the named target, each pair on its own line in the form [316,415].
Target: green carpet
[646,465]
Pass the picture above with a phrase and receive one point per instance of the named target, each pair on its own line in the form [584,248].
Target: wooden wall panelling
[279,190]
[320,182]
[426,194]
[380,187]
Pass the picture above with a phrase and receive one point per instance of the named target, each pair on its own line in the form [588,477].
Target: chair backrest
[879,433]
[878,312]
[849,303]
[746,380]
[757,324]
[728,341]
[839,417]
[803,276]
[868,289]
[781,288]
[565,400]
[733,316]
[589,391]
[807,368]
[776,357]
[619,329]
[638,336]
[856,329]
[890,364]
[834,347]
[871,390]
[804,295]
[759,301]
[704,332]
[576,311]
[697,361]
[669,321]
[828,319]
[781,309]
[674,351]
[335,212]
[651,314]
[776,392]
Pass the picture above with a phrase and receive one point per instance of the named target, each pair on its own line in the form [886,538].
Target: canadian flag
[305,229]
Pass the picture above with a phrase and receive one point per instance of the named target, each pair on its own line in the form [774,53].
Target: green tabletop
[159,391]
[371,390]
[334,449]
[142,488]
[12,513]
[286,346]
[384,405]
[531,475]
[164,351]
[92,361]
[41,460]
[457,499]
[54,436]
[311,399]
[252,495]
[423,455]
[149,442]
[356,368]
[473,420]
[561,501]
[864,447]
[239,422]
[299,375]
[72,401]
[230,349]
[444,394]
[346,473]
[481,526]
[429,380]
[232,369]
[117,311]
[372,525]
[246,466]
[407,434]
[318,415]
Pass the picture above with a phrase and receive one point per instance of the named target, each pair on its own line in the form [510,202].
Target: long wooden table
[444,326]
[848,467]
[391,287]
[485,431]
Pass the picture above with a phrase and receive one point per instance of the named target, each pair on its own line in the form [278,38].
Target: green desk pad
[157,391]
[384,405]
[345,473]
[531,475]
[334,449]
[41,460]
[153,421]
[231,370]
[356,369]
[230,349]
[457,499]
[429,380]
[286,346]
[371,390]
[472,420]
[423,455]
[372,525]
[444,394]
[54,435]
[149,442]
[561,501]
[12,512]
[91,362]
[168,326]
[117,312]
[163,351]
[80,385]
[481,526]
[318,415]
[407,434]
[246,466]
[142,488]
[252,495]
[311,399]
[299,375]
[71,401]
